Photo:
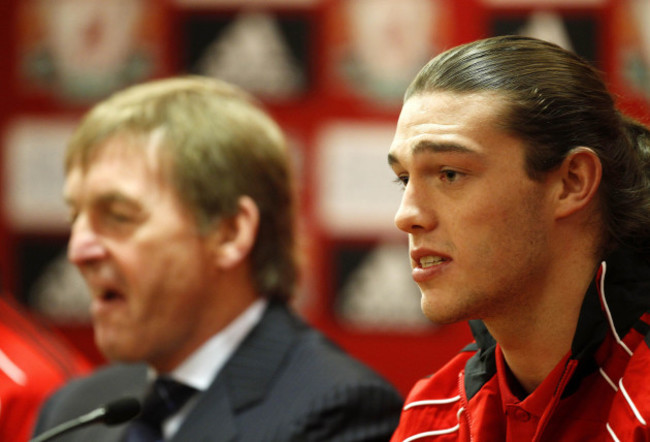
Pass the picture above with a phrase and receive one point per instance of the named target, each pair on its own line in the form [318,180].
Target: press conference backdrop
[332,72]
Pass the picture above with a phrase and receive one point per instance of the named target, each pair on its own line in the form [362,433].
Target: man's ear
[580,174]
[233,239]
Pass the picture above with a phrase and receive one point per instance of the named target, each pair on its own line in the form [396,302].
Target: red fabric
[595,412]
[33,363]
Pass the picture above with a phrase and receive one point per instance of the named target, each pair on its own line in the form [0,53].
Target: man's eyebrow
[104,199]
[434,147]
[114,197]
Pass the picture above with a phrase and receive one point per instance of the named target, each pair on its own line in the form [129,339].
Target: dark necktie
[164,399]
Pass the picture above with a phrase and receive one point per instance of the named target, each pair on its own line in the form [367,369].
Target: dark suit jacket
[286,382]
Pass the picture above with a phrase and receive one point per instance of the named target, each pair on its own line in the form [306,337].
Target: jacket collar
[482,366]
[614,302]
[241,383]
[266,346]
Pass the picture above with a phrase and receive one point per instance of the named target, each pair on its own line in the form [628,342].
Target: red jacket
[33,363]
[600,391]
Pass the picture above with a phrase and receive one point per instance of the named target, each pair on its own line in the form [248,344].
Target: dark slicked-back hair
[556,101]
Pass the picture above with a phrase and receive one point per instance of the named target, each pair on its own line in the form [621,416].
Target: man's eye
[449,175]
[119,213]
[120,217]
[402,180]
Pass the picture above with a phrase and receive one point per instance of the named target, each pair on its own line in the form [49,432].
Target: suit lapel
[255,364]
[244,380]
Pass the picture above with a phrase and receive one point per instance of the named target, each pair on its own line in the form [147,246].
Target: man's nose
[415,212]
[85,245]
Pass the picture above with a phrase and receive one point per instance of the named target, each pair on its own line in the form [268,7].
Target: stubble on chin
[439,309]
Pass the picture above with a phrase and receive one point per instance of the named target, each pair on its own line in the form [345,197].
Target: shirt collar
[203,366]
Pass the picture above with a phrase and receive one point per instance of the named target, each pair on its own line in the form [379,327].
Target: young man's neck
[535,339]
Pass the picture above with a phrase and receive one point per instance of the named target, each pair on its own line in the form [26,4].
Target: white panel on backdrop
[356,191]
[33,164]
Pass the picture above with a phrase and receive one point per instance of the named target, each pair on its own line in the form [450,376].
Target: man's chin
[438,313]
[114,350]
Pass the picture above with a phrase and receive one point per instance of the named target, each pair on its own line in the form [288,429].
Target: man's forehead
[442,121]
[117,167]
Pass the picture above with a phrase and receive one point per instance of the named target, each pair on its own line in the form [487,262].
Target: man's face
[139,249]
[477,224]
